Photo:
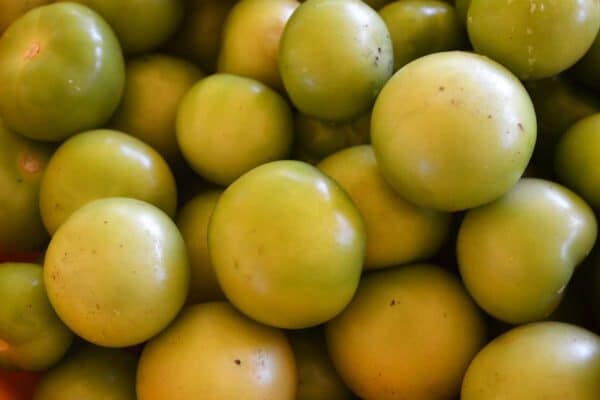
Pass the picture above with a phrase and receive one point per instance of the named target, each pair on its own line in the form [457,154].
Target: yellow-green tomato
[251,38]
[398,232]
[453,130]
[228,124]
[10,10]
[316,139]
[214,352]
[577,156]
[103,163]
[317,377]
[90,373]
[559,103]
[22,164]
[61,72]
[32,337]
[154,87]
[199,35]
[409,333]
[192,222]
[421,27]
[516,255]
[533,38]
[287,245]
[546,360]
[334,57]
[140,25]
[117,271]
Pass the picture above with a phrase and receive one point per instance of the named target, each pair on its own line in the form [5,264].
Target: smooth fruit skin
[117,271]
[287,245]
[534,39]
[546,360]
[90,373]
[228,124]
[576,160]
[32,337]
[421,27]
[517,254]
[409,333]
[334,58]
[61,72]
[317,377]
[398,232]
[10,10]
[192,221]
[154,87]
[103,163]
[140,25]
[213,352]
[452,131]
[22,164]
[251,38]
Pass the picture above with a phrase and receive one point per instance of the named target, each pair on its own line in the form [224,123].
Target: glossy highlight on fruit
[453,130]
[282,234]
[61,72]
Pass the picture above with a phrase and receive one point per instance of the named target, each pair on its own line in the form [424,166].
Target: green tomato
[516,255]
[534,39]
[140,25]
[227,125]
[61,72]
[117,271]
[546,360]
[317,377]
[146,115]
[22,164]
[421,27]
[287,245]
[453,130]
[316,139]
[409,333]
[559,103]
[103,163]
[251,38]
[577,158]
[192,222]
[334,57]
[398,232]
[213,352]
[199,35]
[32,337]
[91,373]
[11,10]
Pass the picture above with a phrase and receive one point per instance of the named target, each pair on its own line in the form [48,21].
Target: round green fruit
[282,234]
[61,72]
[453,130]
[117,271]
[334,57]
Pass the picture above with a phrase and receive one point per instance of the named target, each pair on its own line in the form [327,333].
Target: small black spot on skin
[520,125]
[489,116]
[442,88]
[97,306]
[19,180]
[393,302]
[379,49]
[106,222]
[121,245]
[237,361]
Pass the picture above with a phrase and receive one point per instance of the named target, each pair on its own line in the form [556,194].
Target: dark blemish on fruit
[489,116]
[379,49]
[520,125]
[442,88]
[393,302]
[30,164]
[121,245]
[19,180]
[97,306]
[237,361]
[106,222]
